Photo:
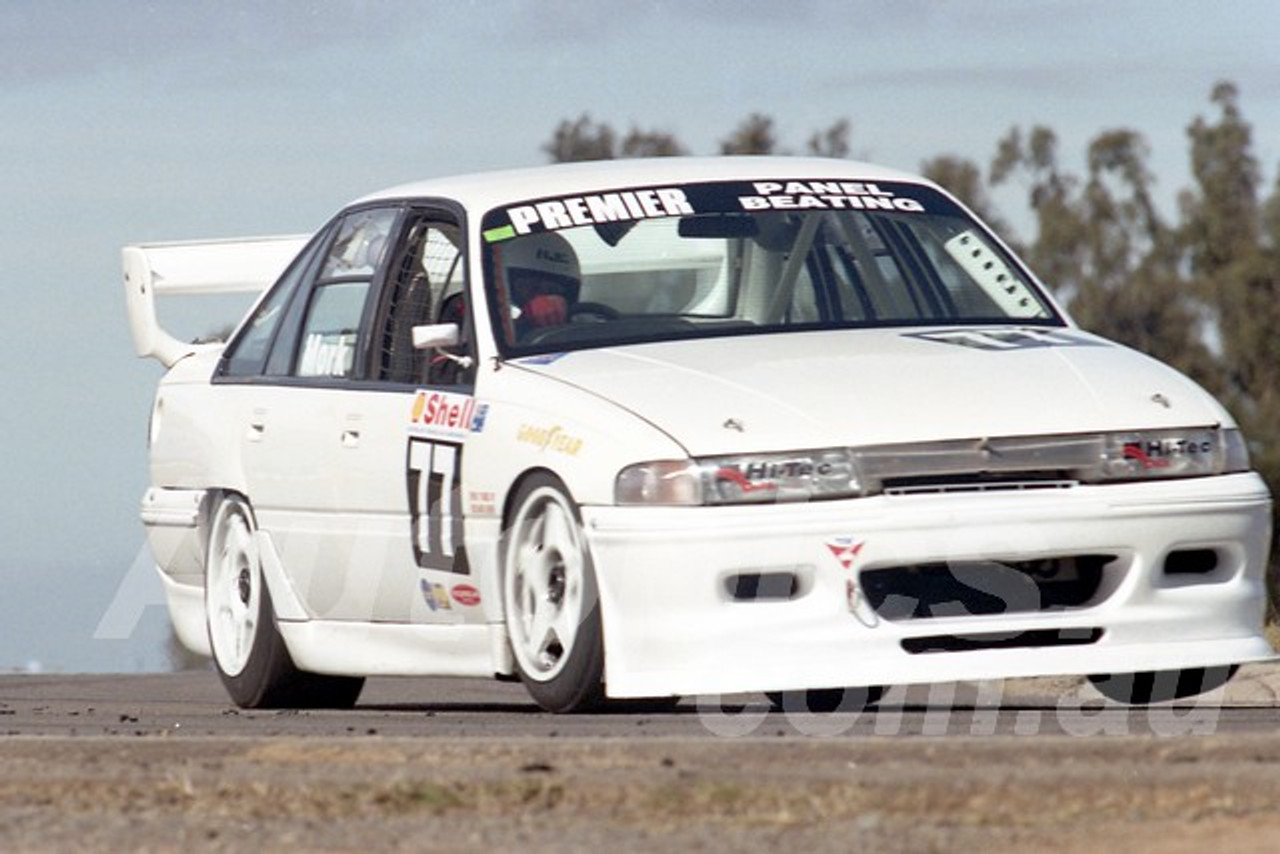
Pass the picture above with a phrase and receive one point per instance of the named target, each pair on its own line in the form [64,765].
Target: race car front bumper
[708,600]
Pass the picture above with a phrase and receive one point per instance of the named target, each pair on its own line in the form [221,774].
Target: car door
[303,431]
[353,447]
[416,415]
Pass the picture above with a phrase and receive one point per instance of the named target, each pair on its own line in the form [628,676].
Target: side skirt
[390,649]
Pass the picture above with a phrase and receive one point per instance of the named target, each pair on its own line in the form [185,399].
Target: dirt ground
[921,794]
[474,774]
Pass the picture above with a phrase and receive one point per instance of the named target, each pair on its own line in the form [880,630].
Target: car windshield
[732,258]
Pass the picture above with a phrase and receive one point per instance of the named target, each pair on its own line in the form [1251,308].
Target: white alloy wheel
[249,652]
[549,594]
[233,587]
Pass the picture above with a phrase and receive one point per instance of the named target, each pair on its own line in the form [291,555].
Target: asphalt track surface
[194,704]
[167,763]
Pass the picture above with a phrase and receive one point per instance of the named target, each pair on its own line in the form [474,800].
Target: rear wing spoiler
[195,267]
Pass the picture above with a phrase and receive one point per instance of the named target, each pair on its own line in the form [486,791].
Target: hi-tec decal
[744,481]
[571,211]
[825,195]
[1160,454]
[441,415]
[765,474]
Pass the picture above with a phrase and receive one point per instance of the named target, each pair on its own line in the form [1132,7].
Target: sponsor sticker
[1161,453]
[845,550]
[612,212]
[502,232]
[543,359]
[592,209]
[443,415]
[825,195]
[465,595]
[767,474]
[327,354]
[482,503]
[435,595]
[549,439]
[747,479]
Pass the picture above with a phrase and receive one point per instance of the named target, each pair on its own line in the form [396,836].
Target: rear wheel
[549,597]
[1140,689]
[248,651]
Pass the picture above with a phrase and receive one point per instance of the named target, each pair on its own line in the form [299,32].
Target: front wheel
[549,596]
[248,651]
[1140,689]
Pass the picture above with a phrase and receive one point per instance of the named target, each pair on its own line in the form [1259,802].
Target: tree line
[1199,290]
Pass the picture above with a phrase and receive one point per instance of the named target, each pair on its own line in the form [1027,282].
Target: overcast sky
[125,121]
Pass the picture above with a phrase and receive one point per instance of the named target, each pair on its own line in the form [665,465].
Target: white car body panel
[673,625]
[338,474]
[892,385]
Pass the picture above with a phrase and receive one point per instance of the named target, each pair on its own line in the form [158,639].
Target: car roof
[485,190]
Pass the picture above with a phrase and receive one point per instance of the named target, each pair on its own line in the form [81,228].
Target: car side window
[425,285]
[331,331]
[246,356]
[331,328]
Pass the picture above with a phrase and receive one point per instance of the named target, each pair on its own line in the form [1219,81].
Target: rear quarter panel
[195,428]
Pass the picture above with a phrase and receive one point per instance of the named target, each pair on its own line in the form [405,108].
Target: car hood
[865,387]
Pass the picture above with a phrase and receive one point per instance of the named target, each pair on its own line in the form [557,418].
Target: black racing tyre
[248,651]
[823,700]
[551,607]
[1146,687]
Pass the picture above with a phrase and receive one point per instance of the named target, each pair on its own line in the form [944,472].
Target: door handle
[351,430]
[257,426]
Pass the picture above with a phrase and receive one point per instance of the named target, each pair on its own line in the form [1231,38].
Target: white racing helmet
[544,256]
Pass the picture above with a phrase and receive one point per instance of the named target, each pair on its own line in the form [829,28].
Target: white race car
[645,429]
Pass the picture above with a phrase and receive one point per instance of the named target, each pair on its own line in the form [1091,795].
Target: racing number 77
[435,504]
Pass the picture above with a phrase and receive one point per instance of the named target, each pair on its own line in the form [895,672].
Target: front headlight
[662,482]
[1151,454]
[1235,452]
[771,478]
[1011,461]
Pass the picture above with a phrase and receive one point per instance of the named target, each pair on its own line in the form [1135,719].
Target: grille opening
[983,587]
[1002,640]
[979,482]
[1191,562]
[762,586]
